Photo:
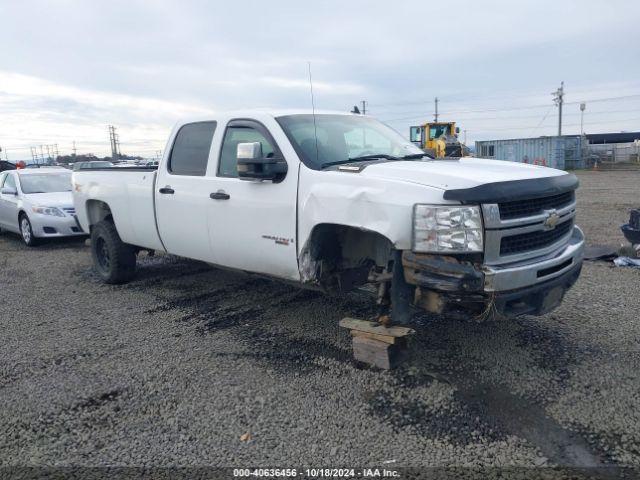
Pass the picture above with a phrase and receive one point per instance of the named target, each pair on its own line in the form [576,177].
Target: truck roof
[259,113]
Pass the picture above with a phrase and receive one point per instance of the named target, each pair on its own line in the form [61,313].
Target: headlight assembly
[447,229]
[54,211]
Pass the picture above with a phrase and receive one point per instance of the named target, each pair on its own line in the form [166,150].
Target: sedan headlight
[56,212]
[450,229]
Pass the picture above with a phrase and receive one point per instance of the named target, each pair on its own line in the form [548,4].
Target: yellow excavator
[438,139]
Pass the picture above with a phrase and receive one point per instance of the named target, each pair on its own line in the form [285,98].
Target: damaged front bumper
[532,287]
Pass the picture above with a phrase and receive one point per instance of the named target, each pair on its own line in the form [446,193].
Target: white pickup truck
[336,201]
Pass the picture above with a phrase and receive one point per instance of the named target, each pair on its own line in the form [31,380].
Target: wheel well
[97,211]
[341,256]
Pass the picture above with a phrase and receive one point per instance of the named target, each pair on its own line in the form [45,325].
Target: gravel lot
[175,367]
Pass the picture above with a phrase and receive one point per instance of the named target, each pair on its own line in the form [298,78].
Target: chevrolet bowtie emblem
[552,219]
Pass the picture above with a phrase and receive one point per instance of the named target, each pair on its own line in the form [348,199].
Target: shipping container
[563,152]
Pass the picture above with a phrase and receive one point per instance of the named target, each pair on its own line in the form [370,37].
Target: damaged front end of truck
[504,250]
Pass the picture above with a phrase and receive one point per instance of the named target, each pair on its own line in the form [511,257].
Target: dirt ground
[189,365]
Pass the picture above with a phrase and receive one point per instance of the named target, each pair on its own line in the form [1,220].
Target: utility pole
[115,143]
[436,115]
[74,148]
[364,107]
[582,107]
[465,136]
[558,98]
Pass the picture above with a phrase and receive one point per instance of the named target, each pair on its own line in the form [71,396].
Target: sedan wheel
[27,232]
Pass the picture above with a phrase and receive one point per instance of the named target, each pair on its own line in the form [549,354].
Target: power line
[452,97]
[486,97]
[515,117]
[472,111]
[542,121]
[524,107]
[420,115]
[571,124]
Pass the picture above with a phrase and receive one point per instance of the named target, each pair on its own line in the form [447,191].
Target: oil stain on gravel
[480,411]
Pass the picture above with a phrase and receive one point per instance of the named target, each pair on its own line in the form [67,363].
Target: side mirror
[457,129]
[252,165]
[8,191]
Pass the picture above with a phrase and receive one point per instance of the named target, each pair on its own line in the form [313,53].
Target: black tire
[401,293]
[114,260]
[26,232]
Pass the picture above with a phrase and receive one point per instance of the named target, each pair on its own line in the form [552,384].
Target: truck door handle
[166,190]
[220,195]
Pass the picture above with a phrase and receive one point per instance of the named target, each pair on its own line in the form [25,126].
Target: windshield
[341,137]
[45,183]
[438,130]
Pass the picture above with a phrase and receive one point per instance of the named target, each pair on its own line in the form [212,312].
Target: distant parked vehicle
[37,203]
[151,164]
[6,166]
[92,164]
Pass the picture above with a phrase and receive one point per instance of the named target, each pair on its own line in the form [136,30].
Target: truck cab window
[190,152]
[436,131]
[232,137]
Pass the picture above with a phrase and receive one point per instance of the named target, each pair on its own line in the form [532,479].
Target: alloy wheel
[25,229]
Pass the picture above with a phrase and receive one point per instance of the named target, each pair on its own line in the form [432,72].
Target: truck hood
[54,199]
[457,173]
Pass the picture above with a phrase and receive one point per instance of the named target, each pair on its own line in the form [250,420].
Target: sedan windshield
[343,137]
[45,183]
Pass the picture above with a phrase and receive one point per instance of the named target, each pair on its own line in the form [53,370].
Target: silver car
[37,204]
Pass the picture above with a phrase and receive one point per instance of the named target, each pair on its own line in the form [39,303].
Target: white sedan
[37,203]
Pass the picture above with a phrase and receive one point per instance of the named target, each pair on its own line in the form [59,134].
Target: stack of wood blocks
[375,344]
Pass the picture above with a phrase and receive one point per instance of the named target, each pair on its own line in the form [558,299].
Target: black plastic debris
[631,230]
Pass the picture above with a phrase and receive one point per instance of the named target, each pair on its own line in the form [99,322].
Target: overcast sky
[69,68]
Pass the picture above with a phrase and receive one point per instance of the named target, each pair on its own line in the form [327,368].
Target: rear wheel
[26,232]
[114,260]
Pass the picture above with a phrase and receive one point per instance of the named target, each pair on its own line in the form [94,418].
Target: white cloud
[36,111]
[141,64]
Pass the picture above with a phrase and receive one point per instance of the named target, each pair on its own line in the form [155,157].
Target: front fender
[383,206]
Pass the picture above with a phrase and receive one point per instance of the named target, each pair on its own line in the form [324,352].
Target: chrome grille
[520,230]
[69,210]
[534,206]
[535,240]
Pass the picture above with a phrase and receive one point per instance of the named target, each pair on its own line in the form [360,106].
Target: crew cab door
[252,223]
[182,192]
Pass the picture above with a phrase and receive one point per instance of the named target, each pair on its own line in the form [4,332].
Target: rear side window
[190,151]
